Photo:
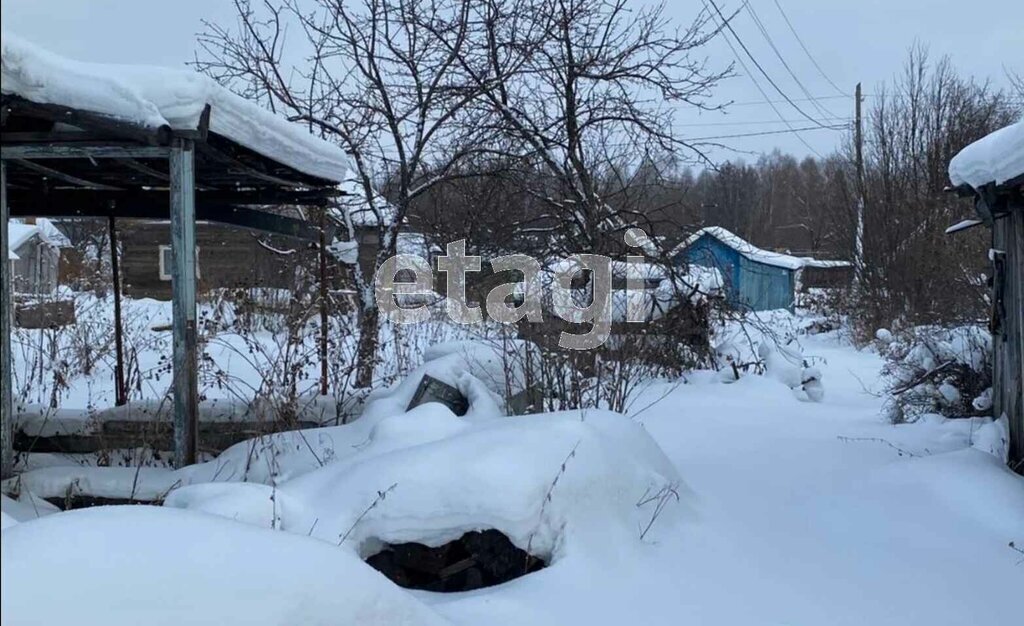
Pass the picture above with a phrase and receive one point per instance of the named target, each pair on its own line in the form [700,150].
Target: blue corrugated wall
[749,284]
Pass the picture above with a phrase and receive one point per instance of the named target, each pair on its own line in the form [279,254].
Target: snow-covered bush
[937,370]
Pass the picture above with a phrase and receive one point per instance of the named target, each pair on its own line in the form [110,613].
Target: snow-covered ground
[789,512]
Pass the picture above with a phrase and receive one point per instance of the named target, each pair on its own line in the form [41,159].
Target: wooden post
[120,389]
[183,289]
[323,307]
[858,140]
[6,372]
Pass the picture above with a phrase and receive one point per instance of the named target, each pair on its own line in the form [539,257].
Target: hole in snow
[474,560]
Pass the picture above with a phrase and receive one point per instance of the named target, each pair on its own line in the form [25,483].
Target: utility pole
[858,251]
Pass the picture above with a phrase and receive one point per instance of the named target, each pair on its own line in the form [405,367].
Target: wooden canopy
[59,161]
[63,162]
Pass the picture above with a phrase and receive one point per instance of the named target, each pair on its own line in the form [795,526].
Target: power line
[758,123]
[769,132]
[806,51]
[778,53]
[767,100]
[762,102]
[754,60]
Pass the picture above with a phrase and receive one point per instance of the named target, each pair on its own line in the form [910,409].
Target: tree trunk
[369,340]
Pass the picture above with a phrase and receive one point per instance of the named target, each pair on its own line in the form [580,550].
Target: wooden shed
[755,279]
[991,171]
[34,249]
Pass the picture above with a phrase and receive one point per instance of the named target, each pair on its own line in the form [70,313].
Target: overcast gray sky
[864,40]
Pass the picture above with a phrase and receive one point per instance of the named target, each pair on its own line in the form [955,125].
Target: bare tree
[914,128]
[573,85]
[1016,83]
[369,76]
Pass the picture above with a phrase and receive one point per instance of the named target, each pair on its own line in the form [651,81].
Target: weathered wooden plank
[45,314]
[62,176]
[214,437]
[183,287]
[152,197]
[1008,339]
[6,373]
[251,219]
[80,151]
[89,121]
[141,168]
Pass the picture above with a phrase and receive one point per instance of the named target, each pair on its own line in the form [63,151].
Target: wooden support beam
[59,175]
[183,290]
[51,136]
[237,197]
[324,319]
[144,169]
[155,135]
[233,164]
[83,151]
[244,217]
[6,372]
[120,388]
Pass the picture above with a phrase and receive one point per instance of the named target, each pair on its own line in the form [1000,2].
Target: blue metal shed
[755,279]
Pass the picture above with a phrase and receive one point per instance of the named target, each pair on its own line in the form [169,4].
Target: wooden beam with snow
[150,135]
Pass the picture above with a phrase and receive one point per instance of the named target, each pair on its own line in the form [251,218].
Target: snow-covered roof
[18,233]
[754,253]
[995,158]
[158,96]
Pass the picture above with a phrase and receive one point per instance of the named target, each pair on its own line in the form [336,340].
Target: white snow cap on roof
[158,96]
[18,233]
[995,158]
[754,253]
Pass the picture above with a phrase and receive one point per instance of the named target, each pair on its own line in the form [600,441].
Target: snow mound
[995,158]
[994,437]
[146,565]
[27,507]
[482,372]
[545,481]
[427,476]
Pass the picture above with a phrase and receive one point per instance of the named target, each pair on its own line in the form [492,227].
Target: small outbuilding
[991,170]
[756,279]
[34,252]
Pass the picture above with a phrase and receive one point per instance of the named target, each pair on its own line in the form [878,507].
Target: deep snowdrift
[144,565]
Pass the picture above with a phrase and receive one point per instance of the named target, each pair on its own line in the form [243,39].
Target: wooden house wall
[228,258]
[1008,352]
[825,277]
[765,287]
